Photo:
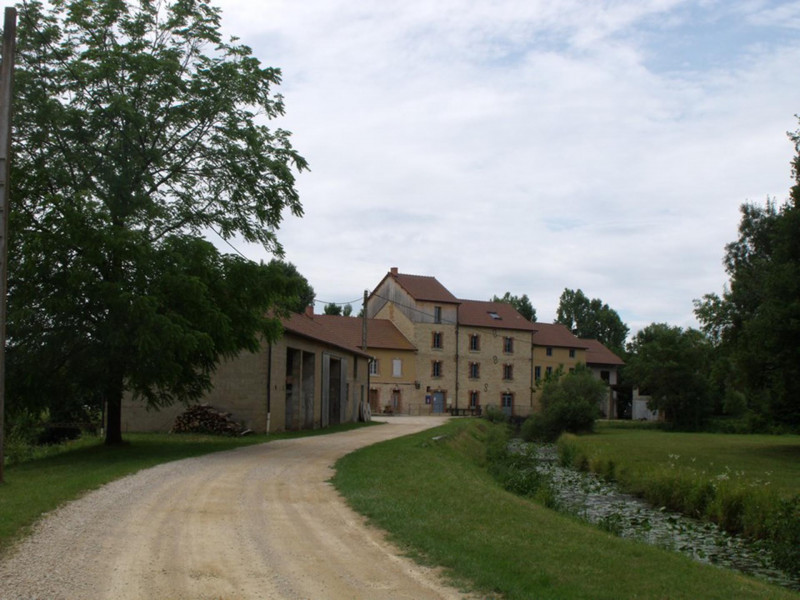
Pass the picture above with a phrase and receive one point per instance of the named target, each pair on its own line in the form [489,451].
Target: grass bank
[37,486]
[737,481]
[434,496]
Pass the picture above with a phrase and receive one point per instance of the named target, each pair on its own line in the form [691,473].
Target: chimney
[393,271]
[310,311]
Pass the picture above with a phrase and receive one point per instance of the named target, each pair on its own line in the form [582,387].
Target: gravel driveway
[257,522]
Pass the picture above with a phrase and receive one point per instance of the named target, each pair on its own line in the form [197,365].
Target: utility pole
[364,323]
[6,73]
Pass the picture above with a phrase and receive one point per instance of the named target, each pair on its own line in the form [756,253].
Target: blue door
[507,401]
[438,402]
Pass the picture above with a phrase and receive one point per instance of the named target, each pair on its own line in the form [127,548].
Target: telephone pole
[6,73]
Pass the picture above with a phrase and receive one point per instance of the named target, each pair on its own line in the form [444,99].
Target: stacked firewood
[203,418]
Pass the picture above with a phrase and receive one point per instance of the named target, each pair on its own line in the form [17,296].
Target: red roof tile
[598,354]
[555,334]
[381,333]
[423,287]
[303,325]
[496,315]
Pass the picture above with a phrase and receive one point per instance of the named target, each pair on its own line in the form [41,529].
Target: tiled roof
[555,334]
[423,287]
[598,354]
[381,333]
[497,315]
[303,325]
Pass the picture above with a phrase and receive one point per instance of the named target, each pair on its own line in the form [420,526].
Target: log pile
[203,418]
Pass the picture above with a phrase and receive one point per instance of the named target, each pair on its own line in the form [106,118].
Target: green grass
[438,502]
[37,486]
[737,481]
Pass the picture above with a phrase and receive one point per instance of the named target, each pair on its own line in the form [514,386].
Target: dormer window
[494,315]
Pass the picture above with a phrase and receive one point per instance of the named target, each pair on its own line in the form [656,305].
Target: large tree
[671,365]
[755,323]
[521,303]
[592,319]
[139,130]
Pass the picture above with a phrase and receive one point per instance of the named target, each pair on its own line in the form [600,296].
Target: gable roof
[495,315]
[308,327]
[555,334]
[422,287]
[381,333]
[598,354]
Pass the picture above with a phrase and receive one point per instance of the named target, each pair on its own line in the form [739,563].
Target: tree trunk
[113,399]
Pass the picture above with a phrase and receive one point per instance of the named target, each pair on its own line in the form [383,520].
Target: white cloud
[529,146]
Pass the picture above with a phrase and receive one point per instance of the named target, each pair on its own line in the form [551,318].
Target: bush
[494,414]
[570,402]
[785,536]
[22,430]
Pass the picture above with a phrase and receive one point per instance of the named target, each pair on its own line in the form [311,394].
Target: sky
[529,146]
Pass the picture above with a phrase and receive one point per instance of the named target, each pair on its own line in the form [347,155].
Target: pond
[588,497]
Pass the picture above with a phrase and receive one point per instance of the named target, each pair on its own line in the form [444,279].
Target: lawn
[433,495]
[740,482]
[37,486]
[772,460]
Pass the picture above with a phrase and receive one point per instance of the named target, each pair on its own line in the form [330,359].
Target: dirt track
[258,522]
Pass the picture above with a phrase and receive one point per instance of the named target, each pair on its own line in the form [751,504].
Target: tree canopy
[138,130]
[671,365]
[521,303]
[592,319]
[755,323]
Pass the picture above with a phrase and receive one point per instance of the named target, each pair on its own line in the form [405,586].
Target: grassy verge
[438,502]
[38,486]
[738,481]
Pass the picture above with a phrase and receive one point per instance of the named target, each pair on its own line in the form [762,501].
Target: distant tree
[755,323]
[521,303]
[592,319]
[297,286]
[333,309]
[347,310]
[137,129]
[671,365]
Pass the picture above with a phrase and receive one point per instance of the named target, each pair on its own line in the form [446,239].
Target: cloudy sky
[530,146]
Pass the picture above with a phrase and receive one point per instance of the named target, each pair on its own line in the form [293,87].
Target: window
[549,370]
[474,370]
[572,352]
[397,367]
[605,376]
[474,342]
[436,341]
[474,399]
[437,314]
[494,315]
[537,373]
[436,368]
[508,345]
[549,351]
[373,366]
[508,371]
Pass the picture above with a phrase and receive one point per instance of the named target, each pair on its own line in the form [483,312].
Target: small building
[605,365]
[311,377]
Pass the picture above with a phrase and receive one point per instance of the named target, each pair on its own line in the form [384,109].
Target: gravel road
[257,522]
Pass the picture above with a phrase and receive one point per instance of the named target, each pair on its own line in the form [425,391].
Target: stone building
[312,377]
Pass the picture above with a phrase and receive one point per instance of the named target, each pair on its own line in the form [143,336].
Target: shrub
[494,414]
[570,402]
[785,535]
